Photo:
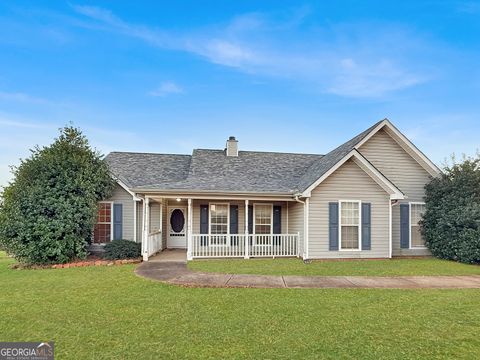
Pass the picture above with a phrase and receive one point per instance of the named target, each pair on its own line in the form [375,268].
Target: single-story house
[363,199]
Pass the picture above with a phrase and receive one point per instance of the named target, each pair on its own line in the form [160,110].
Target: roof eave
[375,174]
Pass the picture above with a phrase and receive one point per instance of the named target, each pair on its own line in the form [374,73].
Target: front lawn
[109,313]
[388,267]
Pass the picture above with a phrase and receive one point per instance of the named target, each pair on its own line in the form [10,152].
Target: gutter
[211,192]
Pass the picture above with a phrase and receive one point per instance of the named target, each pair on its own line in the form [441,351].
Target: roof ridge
[263,152]
[145,153]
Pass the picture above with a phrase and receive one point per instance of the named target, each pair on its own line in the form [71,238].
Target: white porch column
[134,220]
[390,244]
[146,227]
[189,230]
[160,228]
[247,255]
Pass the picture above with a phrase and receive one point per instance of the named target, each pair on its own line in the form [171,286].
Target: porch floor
[170,255]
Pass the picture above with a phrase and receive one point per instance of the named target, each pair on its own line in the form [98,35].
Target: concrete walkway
[170,255]
[177,273]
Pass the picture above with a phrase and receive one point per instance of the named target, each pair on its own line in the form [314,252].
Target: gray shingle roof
[141,169]
[250,171]
[212,170]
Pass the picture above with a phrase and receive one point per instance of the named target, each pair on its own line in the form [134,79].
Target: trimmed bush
[48,211]
[122,249]
[451,223]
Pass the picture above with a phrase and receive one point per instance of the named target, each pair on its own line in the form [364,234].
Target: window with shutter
[219,223]
[350,225]
[103,228]
[416,212]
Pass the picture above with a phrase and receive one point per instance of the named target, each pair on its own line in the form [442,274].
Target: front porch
[170,255]
[218,228]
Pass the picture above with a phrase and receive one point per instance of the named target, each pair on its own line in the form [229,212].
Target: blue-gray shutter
[117,221]
[277,223]
[250,222]
[250,219]
[333,226]
[366,226]
[204,224]
[404,226]
[234,223]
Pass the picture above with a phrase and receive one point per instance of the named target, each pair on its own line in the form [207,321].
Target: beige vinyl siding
[404,171]
[348,182]
[296,222]
[139,221]
[165,223]
[154,224]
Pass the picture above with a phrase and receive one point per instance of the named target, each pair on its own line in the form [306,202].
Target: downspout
[392,203]
[305,203]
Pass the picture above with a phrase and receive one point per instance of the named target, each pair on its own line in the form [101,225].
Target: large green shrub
[48,211]
[451,223]
[122,249]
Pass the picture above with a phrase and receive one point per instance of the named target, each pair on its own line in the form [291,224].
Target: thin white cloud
[104,16]
[22,97]
[371,81]
[352,60]
[22,124]
[166,88]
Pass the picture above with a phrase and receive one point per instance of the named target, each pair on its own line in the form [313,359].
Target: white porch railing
[234,245]
[154,244]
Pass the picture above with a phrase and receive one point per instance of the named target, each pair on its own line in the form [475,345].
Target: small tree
[451,223]
[48,211]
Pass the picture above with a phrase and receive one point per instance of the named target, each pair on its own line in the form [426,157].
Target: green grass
[393,267]
[109,313]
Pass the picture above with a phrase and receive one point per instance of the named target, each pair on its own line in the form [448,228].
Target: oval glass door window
[177,220]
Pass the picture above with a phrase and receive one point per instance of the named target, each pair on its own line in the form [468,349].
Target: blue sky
[169,76]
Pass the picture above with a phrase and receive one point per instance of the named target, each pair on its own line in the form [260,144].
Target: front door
[177,224]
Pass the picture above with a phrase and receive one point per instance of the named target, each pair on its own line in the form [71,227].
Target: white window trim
[359,225]
[410,226]
[254,222]
[111,220]
[210,223]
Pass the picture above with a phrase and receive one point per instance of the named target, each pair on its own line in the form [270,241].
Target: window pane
[350,224]
[101,233]
[350,213]
[416,212]
[349,237]
[262,229]
[218,222]
[263,219]
[417,238]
